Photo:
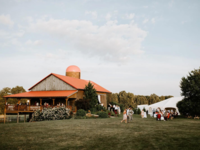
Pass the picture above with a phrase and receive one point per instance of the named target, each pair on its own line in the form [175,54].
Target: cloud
[145,6]
[145,21]
[92,13]
[5,19]
[153,20]
[111,41]
[34,43]
[58,54]
[130,16]
[108,16]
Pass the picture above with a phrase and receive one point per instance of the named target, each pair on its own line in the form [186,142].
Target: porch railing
[21,108]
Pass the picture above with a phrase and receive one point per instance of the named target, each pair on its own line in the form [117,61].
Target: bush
[112,113]
[144,109]
[135,110]
[93,110]
[138,111]
[81,113]
[102,114]
[99,108]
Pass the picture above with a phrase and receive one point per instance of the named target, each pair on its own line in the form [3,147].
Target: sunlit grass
[102,134]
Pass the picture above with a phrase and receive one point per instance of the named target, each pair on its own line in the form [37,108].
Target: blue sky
[142,47]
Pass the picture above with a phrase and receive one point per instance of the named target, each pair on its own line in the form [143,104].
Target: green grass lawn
[105,134]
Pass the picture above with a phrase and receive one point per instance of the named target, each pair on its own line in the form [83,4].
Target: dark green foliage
[144,109]
[83,104]
[91,95]
[93,110]
[7,91]
[138,111]
[81,113]
[135,110]
[190,87]
[102,114]
[99,108]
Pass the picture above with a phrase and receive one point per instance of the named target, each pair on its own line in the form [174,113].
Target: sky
[142,47]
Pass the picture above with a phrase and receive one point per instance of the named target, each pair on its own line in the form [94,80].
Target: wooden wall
[80,94]
[74,74]
[103,99]
[52,83]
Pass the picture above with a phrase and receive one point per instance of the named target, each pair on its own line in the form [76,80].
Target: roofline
[10,96]
[47,77]
[63,80]
[54,74]
[72,94]
[39,81]
[97,91]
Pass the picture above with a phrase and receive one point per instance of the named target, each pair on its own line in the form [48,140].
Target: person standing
[145,114]
[127,113]
[142,113]
[109,107]
[165,115]
[130,114]
[124,117]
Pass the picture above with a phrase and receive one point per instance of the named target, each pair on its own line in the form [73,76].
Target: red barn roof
[42,94]
[78,84]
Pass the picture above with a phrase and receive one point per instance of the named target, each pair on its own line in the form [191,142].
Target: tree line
[131,100]
[7,91]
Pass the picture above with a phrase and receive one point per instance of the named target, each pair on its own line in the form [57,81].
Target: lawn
[105,134]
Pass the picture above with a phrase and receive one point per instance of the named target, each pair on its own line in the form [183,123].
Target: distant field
[104,134]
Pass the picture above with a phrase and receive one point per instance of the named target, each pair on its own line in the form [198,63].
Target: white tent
[143,106]
[169,103]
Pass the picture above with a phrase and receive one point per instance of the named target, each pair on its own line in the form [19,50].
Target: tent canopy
[143,106]
[168,103]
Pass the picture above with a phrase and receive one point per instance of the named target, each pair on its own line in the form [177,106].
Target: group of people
[164,114]
[127,115]
[115,108]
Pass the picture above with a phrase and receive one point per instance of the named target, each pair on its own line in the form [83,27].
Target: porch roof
[33,94]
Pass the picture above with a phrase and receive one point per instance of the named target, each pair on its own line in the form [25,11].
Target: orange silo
[73,71]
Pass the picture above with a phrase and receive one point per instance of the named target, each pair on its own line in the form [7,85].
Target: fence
[13,118]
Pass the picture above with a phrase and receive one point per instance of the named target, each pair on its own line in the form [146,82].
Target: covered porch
[37,100]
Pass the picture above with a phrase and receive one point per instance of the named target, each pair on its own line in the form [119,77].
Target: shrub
[144,109]
[112,113]
[135,110]
[93,110]
[102,114]
[99,108]
[138,111]
[81,113]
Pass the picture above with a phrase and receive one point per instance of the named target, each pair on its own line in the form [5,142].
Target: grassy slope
[102,134]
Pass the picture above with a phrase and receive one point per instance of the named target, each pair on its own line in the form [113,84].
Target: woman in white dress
[124,116]
[142,113]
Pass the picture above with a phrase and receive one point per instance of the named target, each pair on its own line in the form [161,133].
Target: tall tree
[190,89]
[114,97]
[90,94]
[123,98]
[16,90]
[5,91]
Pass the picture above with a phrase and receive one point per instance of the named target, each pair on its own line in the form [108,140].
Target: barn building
[55,89]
